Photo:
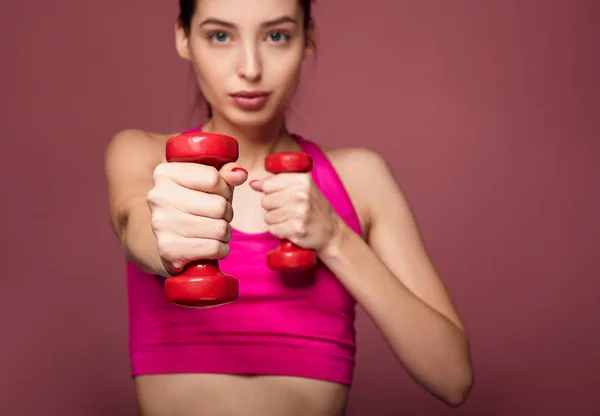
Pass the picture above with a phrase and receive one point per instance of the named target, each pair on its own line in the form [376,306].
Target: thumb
[234,174]
[257,184]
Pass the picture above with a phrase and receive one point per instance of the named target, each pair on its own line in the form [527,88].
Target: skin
[167,214]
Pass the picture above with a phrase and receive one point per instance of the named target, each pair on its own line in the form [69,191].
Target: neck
[255,142]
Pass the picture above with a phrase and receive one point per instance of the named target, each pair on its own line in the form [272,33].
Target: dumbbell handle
[288,257]
[202,284]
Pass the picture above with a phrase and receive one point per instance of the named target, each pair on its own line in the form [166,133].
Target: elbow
[457,398]
[461,383]
[458,392]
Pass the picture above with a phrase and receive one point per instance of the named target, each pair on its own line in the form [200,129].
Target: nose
[250,64]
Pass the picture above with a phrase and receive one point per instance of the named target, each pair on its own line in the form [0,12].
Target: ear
[182,42]
[310,44]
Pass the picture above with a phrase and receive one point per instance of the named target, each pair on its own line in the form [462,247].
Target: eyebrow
[278,21]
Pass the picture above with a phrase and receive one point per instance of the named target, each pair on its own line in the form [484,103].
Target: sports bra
[299,325]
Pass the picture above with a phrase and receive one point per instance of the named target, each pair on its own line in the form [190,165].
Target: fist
[191,211]
[296,210]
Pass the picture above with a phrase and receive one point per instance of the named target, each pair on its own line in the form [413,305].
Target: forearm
[432,348]
[138,240]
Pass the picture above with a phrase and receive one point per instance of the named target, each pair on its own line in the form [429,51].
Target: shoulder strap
[327,179]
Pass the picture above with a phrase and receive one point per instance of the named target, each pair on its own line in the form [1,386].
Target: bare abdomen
[227,395]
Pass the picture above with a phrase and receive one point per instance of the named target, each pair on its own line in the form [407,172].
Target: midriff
[233,395]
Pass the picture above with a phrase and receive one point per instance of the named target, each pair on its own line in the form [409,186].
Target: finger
[201,248]
[176,248]
[276,200]
[193,226]
[208,228]
[256,184]
[286,231]
[283,181]
[279,230]
[204,205]
[278,216]
[234,174]
[283,198]
[194,176]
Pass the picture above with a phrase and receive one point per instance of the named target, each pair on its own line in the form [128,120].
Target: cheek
[208,74]
[286,75]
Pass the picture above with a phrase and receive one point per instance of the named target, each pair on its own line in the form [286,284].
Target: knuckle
[158,221]
[306,180]
[225,250]
[302,210]
[264,202]
[214,248]
[201,247]
[268,218]
[221,229]
[153,196]
[160,171]
[167,247]
[212,177]
[300,228]
[229,214]
[275,231]
[221,207]
[301,196]
[156,197]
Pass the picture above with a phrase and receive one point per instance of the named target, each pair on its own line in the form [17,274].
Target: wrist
[339,234]
[164,269]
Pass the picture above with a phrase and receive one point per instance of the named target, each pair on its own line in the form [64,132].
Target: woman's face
[247,56]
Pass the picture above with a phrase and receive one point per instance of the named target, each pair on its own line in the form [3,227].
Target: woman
[281,348]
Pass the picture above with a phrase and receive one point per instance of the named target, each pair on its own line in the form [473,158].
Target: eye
[219,37]
[278,37]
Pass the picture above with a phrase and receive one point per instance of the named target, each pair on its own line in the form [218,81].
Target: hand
[296,210]
[191,211]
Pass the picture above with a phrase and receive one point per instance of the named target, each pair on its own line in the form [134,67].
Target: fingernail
[254,181]
[239,170]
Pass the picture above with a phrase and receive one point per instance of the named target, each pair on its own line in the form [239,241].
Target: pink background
[487,111]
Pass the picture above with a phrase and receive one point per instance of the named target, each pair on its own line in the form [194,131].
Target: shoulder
[136,146]
[137,140]
[130,158]
[362,169]
[355,160]
[365,174]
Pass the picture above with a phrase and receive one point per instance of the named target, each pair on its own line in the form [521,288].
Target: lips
[250,100]
[250,94]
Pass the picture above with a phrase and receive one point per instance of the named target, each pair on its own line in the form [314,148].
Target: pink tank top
[298,325]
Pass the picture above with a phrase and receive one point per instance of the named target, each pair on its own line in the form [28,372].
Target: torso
[229,395]
[234,395]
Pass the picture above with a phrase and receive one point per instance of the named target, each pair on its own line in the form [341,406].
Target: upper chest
[249,213]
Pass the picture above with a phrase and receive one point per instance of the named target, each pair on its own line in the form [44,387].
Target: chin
[251,118]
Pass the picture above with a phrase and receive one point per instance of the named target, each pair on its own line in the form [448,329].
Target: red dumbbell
[202,284]
[289,257]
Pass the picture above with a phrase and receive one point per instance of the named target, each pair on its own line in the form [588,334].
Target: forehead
[246,11]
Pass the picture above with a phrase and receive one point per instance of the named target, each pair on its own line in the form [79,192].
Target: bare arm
[130,159]
[395,282]
[167,214]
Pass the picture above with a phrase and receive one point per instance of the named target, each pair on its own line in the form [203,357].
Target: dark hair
[187,8]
